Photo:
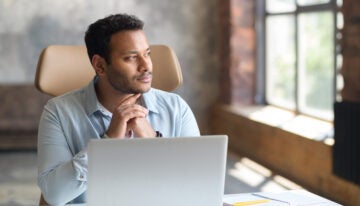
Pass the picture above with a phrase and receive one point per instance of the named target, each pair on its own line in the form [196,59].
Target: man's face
[130,67]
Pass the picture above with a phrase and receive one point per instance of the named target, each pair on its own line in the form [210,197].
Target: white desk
[285,198]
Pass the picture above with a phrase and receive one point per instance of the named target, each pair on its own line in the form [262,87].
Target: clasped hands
[129,117]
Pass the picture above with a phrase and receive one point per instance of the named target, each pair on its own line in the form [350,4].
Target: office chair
[64,68]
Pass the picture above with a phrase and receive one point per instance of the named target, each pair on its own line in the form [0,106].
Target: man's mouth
[145,77]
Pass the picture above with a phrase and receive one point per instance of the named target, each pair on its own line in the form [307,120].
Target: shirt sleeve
[61,174]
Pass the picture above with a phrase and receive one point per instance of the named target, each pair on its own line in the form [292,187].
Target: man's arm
[61,174]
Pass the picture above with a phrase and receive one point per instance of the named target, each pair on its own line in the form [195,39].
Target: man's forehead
[120,51]
[131,41]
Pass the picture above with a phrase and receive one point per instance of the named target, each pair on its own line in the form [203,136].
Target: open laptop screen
[179,171]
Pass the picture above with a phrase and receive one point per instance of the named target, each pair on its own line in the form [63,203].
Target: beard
[127,84]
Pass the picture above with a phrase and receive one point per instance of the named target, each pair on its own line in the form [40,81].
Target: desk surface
[290,197]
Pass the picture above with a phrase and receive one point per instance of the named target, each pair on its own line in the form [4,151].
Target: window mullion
[261,52]
[297,76]
[335,49]
[315,8]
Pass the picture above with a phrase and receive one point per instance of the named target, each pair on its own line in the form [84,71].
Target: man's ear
[99,64]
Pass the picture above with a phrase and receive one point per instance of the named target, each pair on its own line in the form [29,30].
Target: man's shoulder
[69,98]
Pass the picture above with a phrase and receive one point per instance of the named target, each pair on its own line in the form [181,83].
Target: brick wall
[351,50]
[237,51]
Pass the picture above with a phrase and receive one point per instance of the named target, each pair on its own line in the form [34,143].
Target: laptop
[182,171]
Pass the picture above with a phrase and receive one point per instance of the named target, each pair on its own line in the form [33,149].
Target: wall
[19,114]
[236,37]
[26,27]
[351,51]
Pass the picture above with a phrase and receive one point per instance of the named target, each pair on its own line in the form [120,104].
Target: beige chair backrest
[64,68]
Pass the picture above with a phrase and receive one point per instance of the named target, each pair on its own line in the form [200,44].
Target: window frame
[262,14]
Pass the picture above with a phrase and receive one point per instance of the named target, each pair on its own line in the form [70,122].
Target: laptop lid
[181,171]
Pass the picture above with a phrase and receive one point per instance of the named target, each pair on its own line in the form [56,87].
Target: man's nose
[145,63]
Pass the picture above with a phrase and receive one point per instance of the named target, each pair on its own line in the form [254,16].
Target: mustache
[145,74]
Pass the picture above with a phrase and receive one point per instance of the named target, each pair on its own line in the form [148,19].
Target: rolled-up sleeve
[61,174]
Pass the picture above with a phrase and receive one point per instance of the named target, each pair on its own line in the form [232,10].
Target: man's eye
[147,54]
[130,58]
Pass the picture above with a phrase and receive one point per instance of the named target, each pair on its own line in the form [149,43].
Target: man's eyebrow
[135,52]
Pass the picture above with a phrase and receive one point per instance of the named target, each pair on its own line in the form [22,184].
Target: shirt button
[81,177]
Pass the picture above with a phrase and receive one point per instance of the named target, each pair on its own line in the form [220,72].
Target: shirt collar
[149,100]
[92,104]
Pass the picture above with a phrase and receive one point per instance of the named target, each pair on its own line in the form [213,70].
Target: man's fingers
[131,111]
[134,114]
[130,100]
[141,127]
[123,113]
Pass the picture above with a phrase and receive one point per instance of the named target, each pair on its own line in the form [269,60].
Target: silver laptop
[183,171]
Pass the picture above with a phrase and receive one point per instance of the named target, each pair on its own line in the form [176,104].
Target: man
[118,103]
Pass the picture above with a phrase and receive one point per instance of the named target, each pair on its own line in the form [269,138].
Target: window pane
[273,6]
[339,2]
[316,63]
[340,20]
[312,2]
[280,61]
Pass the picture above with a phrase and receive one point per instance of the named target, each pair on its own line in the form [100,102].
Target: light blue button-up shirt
[69,121]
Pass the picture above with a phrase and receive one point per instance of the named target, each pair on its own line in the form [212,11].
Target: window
[299,56]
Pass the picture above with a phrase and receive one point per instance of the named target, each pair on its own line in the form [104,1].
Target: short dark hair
[98,35]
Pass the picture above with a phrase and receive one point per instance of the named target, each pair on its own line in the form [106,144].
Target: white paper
[297,198]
